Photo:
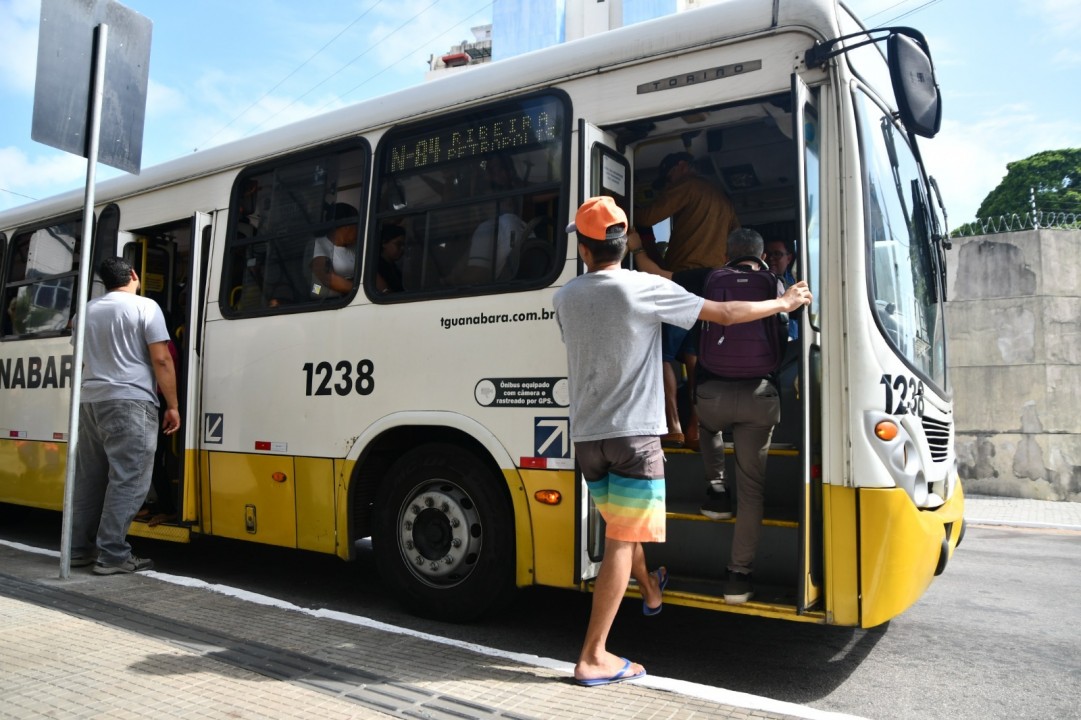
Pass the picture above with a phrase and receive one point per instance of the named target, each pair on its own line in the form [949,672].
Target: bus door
[189,343]
[806,131]
[170,260]
[602,170]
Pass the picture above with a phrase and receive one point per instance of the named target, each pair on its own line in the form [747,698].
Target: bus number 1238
[324,371]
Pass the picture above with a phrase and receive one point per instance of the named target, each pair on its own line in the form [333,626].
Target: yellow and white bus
[426,408]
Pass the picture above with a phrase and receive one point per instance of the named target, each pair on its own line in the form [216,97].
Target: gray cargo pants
[748,409]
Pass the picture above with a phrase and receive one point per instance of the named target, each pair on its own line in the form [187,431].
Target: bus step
[774,601]
[775,450]
[774,516]
[170,533]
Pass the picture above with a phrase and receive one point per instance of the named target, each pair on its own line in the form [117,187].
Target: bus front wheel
[444,534]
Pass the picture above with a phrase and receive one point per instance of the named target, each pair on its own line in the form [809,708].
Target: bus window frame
[561,187]
[7,284]
[106,234]
[232,242]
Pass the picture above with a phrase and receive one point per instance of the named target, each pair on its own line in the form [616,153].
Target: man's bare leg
[648,585]
[620,558]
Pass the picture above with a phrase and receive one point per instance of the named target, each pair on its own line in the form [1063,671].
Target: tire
[444,534]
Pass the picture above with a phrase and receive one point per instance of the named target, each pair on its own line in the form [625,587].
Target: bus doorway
[750,153]
[170,260]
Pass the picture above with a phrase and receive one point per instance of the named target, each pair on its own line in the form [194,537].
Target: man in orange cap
[610,319]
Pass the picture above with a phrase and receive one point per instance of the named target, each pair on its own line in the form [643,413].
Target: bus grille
[938,438]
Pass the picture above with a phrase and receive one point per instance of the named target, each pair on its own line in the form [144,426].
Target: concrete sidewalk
[1018,512]
[150,644]
[154,645]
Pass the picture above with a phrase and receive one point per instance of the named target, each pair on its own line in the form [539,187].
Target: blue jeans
[113,467]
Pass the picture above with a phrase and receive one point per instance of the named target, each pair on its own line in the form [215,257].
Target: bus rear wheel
[444,534]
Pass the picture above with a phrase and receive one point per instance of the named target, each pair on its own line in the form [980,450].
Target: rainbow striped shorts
[625,477]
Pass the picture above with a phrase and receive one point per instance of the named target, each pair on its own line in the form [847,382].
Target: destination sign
[526,125]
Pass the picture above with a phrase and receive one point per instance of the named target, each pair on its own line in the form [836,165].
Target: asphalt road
[997,636]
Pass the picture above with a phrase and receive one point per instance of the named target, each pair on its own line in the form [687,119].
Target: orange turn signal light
[279,477]
[886,430]
[548,497]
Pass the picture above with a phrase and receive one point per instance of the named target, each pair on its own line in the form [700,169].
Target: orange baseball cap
[599,218]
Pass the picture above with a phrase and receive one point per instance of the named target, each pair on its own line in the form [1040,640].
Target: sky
[224,69]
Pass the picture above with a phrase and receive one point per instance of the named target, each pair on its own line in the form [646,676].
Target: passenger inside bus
[334,255]
[249,294]
[780,255]
[496,243]
[702,216]
[388,277]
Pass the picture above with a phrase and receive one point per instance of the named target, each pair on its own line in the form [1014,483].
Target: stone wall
[1013,316]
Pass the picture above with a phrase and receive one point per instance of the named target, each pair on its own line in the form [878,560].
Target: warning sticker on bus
[522,392]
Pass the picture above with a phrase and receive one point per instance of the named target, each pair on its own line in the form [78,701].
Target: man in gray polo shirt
[124,356]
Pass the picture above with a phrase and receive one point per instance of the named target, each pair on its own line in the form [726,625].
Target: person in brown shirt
[702,217]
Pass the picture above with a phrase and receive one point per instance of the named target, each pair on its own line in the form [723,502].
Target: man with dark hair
[334,257]
[125,355]
[610,320]
[779,255]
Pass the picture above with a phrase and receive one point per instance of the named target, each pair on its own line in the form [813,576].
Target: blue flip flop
[619,677]
[662,580]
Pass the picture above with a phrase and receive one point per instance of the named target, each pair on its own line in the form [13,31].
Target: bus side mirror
[918,100]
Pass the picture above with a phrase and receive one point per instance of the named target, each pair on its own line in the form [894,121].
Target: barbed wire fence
[1013,222]
[1061,219]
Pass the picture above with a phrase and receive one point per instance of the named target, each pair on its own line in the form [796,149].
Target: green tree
[1055,175]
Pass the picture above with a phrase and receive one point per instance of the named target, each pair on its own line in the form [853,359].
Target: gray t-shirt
[116,359]
[611,325]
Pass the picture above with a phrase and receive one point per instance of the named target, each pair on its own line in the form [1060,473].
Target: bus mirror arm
[819,53]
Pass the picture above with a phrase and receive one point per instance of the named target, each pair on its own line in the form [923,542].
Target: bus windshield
[904,266]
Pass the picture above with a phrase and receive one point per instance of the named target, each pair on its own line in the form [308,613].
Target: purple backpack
[746,350]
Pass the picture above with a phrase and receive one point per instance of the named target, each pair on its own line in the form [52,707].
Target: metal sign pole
[85,254]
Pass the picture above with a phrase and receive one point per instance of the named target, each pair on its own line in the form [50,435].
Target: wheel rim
[439,533]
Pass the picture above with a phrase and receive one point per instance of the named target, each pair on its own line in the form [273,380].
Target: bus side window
[479,192]
[40,282]
[280,211]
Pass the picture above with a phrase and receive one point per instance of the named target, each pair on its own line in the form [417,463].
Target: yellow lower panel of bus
[32,473]
[553,527]
[900,548]
[273,499]
[841,559]
[316,524]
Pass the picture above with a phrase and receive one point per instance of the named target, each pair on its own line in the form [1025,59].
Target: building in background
[464,54]
[520,26]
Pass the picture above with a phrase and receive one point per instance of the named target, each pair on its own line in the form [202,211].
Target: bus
[424,403]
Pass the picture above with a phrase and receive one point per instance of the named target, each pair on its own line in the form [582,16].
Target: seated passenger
[334,256]
[389,277]
[497,240]
[493,249]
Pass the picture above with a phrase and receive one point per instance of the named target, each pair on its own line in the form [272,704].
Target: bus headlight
[894,445]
